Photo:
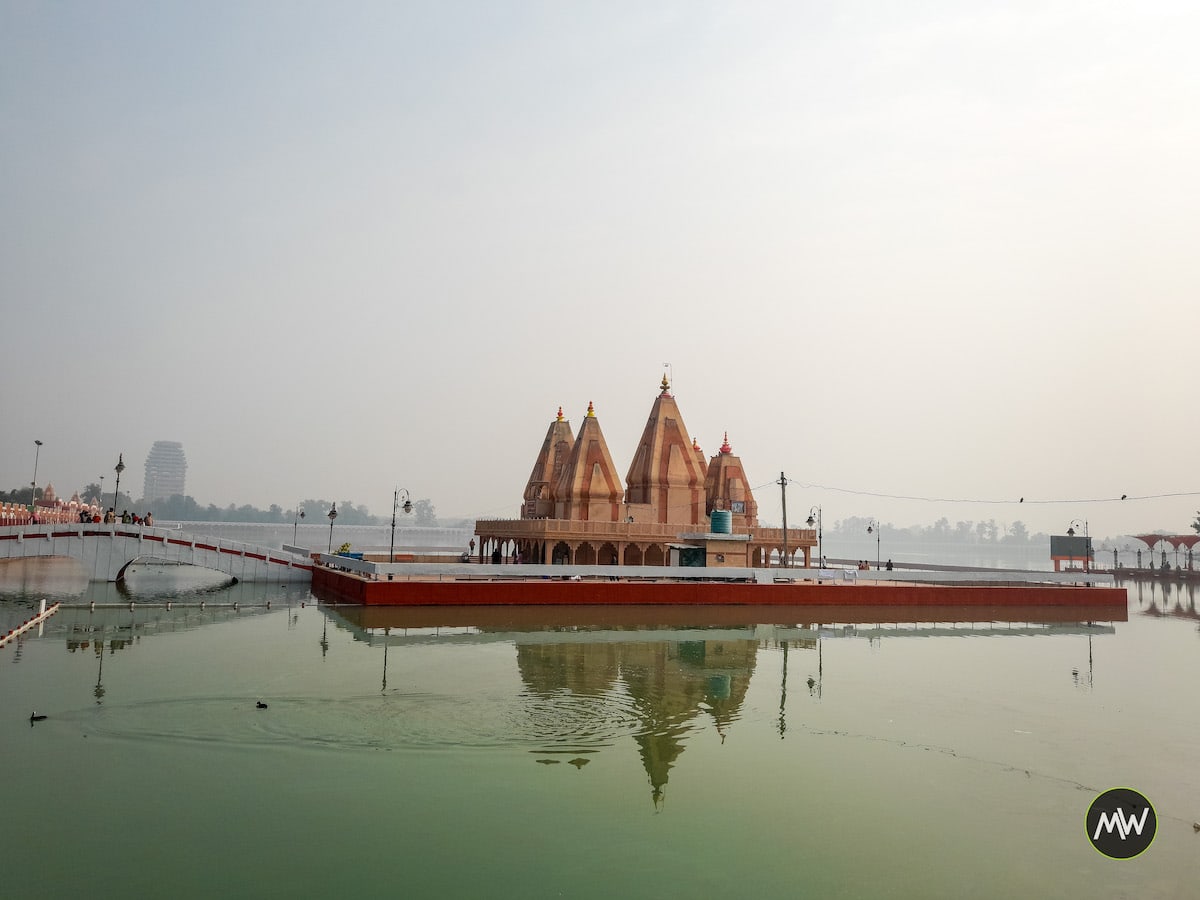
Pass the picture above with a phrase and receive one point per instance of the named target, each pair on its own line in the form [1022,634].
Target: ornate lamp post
[817,521]
[332,515]
[296,522]
[874,527]
[33,493]
[1087,542]
[99,690]
[782,482]
[119,468]
[407,507]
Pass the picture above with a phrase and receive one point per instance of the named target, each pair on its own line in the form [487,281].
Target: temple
[676,507]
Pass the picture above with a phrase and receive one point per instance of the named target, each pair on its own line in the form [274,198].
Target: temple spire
[667,473]
[588,487]
[538,499]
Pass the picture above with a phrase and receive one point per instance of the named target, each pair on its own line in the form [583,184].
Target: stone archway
[633,555]
[655,555]
[607,555]
[585,555]
[561,555]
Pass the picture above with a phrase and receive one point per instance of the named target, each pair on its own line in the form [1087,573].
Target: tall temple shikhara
[676,508]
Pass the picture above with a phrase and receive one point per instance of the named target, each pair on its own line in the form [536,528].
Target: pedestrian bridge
[106,551]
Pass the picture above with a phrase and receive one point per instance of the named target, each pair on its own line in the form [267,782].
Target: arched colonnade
[612,551]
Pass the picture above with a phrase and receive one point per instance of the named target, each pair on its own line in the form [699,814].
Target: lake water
[581,753]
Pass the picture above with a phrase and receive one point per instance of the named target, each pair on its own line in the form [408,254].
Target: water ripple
[561,723]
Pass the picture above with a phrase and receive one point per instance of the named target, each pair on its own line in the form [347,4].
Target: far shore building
[166,471]
[676,507]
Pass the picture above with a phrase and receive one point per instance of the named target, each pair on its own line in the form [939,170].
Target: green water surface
[499,760]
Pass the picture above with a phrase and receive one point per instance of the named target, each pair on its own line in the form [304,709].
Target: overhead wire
[1013,501]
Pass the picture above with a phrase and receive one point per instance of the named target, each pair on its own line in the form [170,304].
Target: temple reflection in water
[670,685]
[593,678]
[655,675]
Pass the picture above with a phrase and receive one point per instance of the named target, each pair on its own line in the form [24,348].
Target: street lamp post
[296,522]
[119,468]
[1087,542]
[782,482]
[332,515]
[99,690]
[407,507]
[875,527]
[817,521]
[33,494]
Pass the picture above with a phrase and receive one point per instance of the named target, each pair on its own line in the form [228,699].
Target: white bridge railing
[106,551]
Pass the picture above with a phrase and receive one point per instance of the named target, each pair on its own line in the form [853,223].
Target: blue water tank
[722,521]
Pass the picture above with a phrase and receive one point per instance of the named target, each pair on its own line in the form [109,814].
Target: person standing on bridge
[149,520]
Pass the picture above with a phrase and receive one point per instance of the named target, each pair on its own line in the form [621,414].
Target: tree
[17,495]
[177,508]
[1196,524]
[349,514]
[987,531]
[425,512]
[1017,533]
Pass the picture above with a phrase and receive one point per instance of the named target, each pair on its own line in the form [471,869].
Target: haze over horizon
[925,259]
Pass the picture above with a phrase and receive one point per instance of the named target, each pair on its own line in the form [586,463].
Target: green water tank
[722,521]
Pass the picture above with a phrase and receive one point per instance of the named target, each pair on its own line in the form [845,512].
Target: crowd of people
[66,513]
[111,517]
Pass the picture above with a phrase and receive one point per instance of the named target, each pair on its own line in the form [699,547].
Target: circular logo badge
[1121,823]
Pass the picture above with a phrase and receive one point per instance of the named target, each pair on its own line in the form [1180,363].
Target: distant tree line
[941,531]
[17,495]
[184,508]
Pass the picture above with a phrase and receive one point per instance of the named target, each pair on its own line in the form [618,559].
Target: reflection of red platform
[345,587]
[538,618]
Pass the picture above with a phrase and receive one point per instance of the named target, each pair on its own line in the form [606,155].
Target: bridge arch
[107,551]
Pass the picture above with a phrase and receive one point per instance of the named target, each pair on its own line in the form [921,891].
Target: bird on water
[261,705]
[34,717]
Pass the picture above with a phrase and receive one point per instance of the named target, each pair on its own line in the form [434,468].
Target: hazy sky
[933,250]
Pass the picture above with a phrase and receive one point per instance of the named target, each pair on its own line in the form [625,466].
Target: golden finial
[560,418]
[591,410]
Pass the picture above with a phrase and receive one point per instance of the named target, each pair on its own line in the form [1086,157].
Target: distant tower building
[166,471]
